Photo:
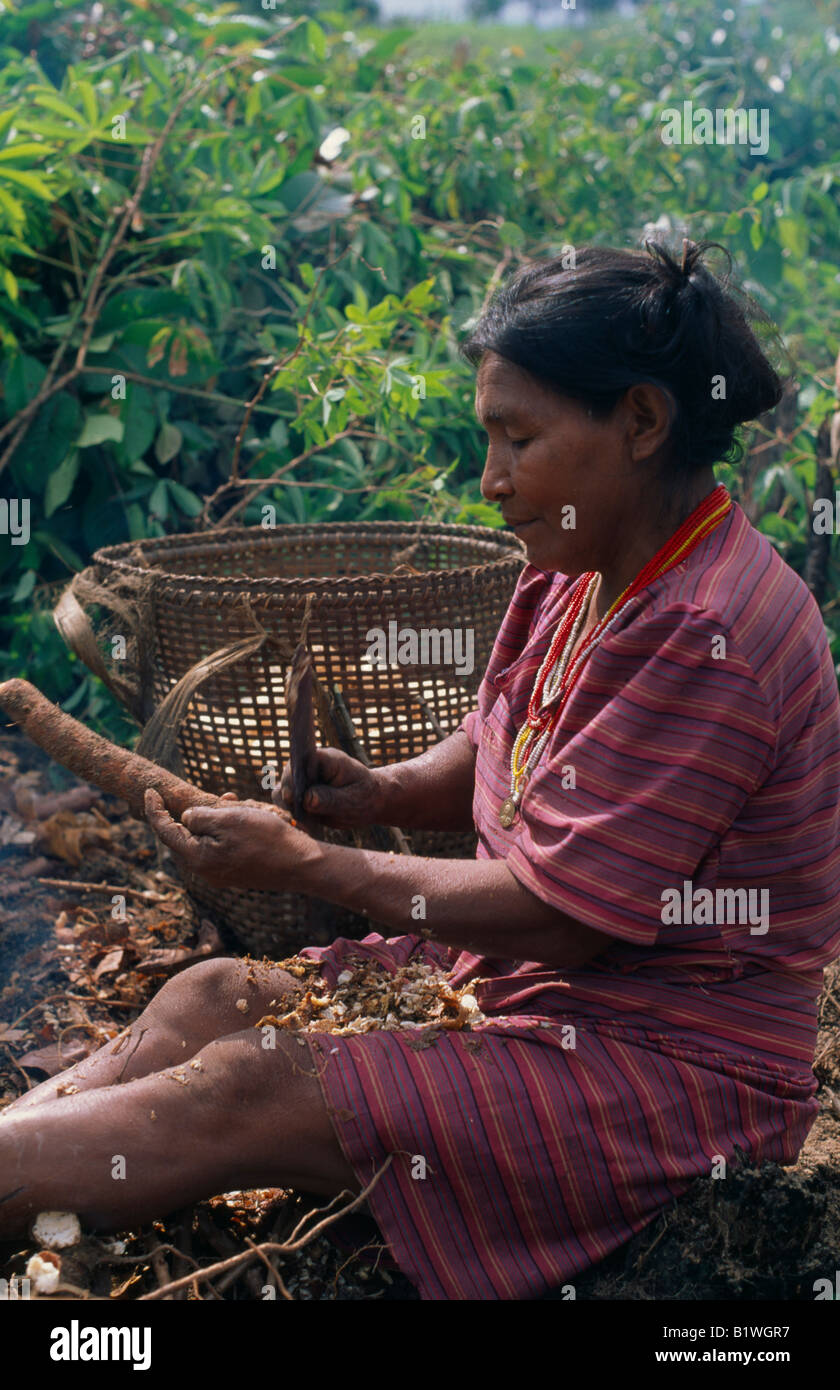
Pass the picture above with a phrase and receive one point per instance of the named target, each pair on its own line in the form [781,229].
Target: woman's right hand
[344,794]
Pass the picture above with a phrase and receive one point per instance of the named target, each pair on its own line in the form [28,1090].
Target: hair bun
[688,269]
[660,315]
[691,257]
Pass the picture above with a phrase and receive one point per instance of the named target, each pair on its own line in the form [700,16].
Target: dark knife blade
[300,709]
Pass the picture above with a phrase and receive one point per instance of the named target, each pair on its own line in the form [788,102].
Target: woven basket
[185,597]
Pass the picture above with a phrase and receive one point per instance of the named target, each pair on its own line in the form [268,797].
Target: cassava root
[93,758]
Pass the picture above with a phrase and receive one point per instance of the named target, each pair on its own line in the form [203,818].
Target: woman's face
[569,484]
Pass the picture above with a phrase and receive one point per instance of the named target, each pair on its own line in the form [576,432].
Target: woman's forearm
[472,904]
[433,791]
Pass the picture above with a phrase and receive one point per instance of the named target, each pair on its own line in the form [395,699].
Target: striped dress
[687,806]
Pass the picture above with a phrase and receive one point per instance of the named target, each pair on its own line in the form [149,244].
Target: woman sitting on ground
[653,770]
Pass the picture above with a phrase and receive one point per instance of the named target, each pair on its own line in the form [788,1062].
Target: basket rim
[121,557]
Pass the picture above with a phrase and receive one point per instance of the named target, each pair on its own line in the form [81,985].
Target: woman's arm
[433,791]
[476,905]
[472,904]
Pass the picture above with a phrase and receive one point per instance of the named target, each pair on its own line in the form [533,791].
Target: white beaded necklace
[559,674]
[553,681]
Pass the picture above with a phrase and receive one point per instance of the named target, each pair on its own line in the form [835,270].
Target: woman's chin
[542,556]
[543,552]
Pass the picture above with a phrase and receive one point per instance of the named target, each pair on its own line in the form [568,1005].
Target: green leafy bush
[321,213]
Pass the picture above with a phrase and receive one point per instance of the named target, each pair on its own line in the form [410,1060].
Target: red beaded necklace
[560,673]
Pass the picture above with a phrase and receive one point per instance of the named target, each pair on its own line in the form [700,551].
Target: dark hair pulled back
[616,317]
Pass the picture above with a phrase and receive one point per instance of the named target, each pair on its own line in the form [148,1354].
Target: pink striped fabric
[699,752]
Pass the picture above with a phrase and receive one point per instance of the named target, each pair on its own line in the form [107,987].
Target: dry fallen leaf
[66,834]
[174,958]
[52,1060]
[109,963]
[122,1290]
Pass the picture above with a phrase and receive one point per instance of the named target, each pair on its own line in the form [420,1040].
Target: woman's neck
[648,537]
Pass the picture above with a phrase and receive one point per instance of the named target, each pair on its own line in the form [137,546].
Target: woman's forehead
[505,391]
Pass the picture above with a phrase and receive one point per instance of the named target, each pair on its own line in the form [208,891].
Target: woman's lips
[522,525]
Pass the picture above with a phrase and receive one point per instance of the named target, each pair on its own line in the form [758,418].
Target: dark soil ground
[71,977]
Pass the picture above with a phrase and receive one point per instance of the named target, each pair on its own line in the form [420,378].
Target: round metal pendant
[507,812]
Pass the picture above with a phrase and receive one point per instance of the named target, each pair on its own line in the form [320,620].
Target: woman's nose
[495,483]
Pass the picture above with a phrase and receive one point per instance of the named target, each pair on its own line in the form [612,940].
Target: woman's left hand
[237,844]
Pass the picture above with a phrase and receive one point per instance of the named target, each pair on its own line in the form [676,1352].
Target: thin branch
[495,278]
[260,483]
[349,491]
[89,307]
[273,1247]
[258,1250]
[64,995]
[47,999]
[145,894]
[19,424]
[279,366]
[179,390]
[16,1064]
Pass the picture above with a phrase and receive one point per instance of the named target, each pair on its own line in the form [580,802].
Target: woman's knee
[226,991]
[201,991]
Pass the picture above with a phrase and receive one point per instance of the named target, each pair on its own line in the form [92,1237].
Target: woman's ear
[650,414]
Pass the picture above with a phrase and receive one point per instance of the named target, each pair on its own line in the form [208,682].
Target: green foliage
[345,272]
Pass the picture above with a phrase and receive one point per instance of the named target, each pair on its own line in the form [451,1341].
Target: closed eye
[520,443]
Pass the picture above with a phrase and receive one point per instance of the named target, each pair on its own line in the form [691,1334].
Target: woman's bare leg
[189,1011]
[238,1116]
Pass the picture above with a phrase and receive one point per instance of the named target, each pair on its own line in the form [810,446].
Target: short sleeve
[471,726]
[533,586]
[661,745]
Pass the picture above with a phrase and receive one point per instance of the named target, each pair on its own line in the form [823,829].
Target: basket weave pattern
[209,589]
